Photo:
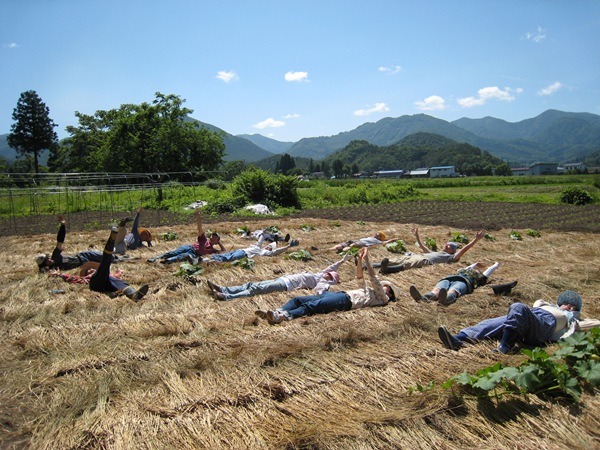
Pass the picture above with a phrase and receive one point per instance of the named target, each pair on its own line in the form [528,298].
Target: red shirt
[203,246]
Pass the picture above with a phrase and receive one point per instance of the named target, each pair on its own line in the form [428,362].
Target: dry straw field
[179,370]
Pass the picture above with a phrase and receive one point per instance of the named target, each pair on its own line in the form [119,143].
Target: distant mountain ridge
[553,136]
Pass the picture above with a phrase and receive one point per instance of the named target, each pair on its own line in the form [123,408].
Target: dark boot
[386,268]
[134,295]
[503,289]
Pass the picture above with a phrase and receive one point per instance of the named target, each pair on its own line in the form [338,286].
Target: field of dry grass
[181,370]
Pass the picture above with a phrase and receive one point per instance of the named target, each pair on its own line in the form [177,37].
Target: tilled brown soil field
[467,215]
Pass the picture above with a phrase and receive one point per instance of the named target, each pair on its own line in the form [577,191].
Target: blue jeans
[179,254]
[229,256]
[317,304]
[132,240]
[254,288]
[459,286]
[535,326]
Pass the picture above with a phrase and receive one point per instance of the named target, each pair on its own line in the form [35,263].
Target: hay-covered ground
[181,370]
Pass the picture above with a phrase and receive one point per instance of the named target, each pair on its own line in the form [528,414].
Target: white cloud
[390,70]
[296,76]
[550,89]
[292,116]
[269,123]
[538,36]
[11,45]
[379,107]
[227,76]
[431,103]
[489,93]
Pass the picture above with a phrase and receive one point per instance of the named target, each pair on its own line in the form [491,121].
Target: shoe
[384,265]
[261,314]
[442,297]
[124,221]
[213,287]
[294,243]
[134,295]
[314,248]
[192,259]
[503,289]
[414,292]
[449,341]
[286,238]
[275,317]
[151,260]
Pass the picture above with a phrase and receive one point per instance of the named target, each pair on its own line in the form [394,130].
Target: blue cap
[570,298]
[454,245]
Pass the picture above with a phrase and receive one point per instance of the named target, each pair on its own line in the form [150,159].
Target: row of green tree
[150,137]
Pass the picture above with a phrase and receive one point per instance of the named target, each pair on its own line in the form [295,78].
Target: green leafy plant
[515,236]
[170,236]
[188,270]
[575,196]
[533,233]
[360,222]
[243,229]
[300,255]
[489,237]
[460,238]
[396,247]
[244,263]
[307,228]
[573,369]
[430,243]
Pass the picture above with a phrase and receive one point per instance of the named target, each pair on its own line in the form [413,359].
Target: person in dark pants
[103,281]
[65,262]
[523,325]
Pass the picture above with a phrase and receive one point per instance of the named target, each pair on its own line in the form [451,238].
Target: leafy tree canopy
[140,138]
[33,130]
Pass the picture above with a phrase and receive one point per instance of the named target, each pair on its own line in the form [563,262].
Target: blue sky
[290,70]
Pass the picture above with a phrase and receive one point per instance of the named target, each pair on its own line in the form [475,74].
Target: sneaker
[449,341]
[442,297]
[261,314]
[275,317]
[151,260]
[294,243]
[192,259]
[124,221]
[213,287]
[414,292]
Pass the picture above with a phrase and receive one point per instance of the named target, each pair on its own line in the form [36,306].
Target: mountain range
[553,136]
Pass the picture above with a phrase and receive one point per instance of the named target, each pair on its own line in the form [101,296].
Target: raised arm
[365,259]
[415,231]
[466,248]
[199,221]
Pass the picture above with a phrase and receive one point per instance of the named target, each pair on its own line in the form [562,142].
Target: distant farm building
[537,169]
[420,173]
[442,171]
[543,169]
[578,167]
[388,174]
